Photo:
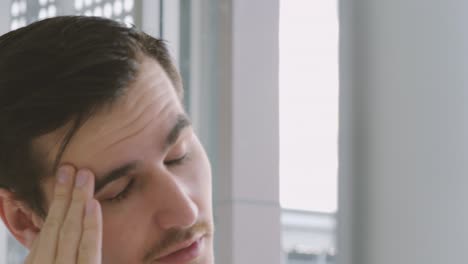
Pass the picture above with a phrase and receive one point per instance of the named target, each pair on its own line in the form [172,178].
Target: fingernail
[63,174]
[90,207]
[81,178]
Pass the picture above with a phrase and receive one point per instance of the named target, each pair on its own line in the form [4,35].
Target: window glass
[24,12]
[308,129]
[120,10]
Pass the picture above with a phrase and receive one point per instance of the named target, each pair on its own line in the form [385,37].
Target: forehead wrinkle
[159,100]
[136,132]
[138,101]
[161,85]
[136,106]
[131,121]
[132,102]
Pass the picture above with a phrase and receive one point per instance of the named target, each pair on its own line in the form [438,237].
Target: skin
[72,232]
[170,195]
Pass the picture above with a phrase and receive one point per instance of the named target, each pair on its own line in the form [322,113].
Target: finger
[71,231]
[48,238]
[91,240]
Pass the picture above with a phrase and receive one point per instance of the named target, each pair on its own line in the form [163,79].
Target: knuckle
[61,194]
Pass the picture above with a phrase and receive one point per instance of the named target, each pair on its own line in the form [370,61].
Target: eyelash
[123,194]
[178,161]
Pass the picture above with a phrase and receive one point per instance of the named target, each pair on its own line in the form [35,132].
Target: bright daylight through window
[308,129]
[309,104]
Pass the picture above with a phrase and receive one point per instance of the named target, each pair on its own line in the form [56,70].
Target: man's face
[159,193]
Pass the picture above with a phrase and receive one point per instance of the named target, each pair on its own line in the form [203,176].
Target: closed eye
[175,162]
[123,194]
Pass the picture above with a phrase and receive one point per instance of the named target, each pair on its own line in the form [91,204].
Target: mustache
[175,236]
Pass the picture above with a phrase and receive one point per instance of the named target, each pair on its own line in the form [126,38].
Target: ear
[24,224]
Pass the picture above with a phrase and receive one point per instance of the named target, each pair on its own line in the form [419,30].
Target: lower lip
[184,255]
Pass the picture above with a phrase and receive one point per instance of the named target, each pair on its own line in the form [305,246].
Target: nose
[175,207]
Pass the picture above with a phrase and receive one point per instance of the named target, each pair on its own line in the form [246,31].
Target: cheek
[113,242]
[122,228]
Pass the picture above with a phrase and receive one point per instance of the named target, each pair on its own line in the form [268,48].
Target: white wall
[404,132]
[4,27]
[3,243]
[150,17]
[4,16]
[236,108]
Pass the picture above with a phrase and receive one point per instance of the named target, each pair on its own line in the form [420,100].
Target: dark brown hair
[59,71]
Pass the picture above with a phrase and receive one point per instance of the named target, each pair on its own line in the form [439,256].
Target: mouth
[184,252]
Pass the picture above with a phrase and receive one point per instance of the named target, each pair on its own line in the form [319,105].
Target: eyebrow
[182,122]
[114,175]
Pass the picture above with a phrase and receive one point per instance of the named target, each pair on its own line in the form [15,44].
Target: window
[24,12]
[308,128]
[18,14]
[120,10]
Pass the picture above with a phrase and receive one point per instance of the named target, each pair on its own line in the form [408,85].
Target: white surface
[3,243]
[404,127]
[150,17]
[5,7]
[171,26]
[254,101]
[196,53]
[238,123]
[309,104]
[4,27]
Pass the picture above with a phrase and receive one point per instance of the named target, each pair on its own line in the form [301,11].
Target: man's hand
[72,231]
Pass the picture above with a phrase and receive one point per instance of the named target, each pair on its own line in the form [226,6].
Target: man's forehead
[150,99]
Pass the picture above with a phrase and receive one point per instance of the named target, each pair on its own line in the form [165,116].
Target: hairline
[80,120]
